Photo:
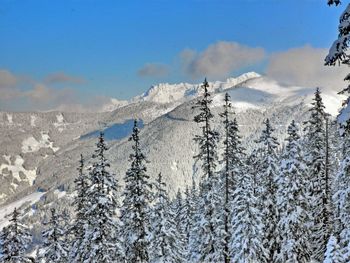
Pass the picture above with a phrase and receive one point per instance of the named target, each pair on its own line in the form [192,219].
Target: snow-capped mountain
[39,152]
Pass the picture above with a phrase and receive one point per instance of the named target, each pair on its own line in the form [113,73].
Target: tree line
[278,203]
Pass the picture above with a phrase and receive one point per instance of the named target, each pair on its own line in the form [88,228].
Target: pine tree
[341,200]
[232,159]
[332,254]
[135,210]
[318,176]
[246,240]
[54,249]
[100,237]
[293,202]
[209,244]
[178,210]
[77,230]
[193,243]
[15,239]
[165,244]
[188,223]
[268,172]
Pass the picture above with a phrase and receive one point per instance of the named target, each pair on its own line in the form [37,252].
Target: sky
[77,54]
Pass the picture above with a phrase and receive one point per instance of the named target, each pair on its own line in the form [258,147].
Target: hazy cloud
[220,59]
[24,93]
[7,79]
[61,77]
[153,70]
[304,66]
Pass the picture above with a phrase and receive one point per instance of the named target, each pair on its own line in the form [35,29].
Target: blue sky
[119,48]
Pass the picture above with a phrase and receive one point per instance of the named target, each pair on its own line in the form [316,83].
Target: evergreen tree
[178,210]
[246,240]
[293,202]
[15,239]
[232,159]
[54,249]
[332,254]
[209,243]
[193,243]
[341,200]
[318,176]
[135,210]
[268,172]
[100,237]
[165,244]
[188,223]
[77,230]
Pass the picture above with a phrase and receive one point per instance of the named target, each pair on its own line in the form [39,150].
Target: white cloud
[304,66]
[220,59]
[153,70]
[61,77]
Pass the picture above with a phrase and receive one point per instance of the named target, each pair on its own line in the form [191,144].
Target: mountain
[39,152]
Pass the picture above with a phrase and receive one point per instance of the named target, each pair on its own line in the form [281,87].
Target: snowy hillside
[40,151]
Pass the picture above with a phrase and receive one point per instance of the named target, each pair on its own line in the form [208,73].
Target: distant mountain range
[39,151]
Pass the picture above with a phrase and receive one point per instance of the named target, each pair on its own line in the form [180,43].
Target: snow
[16,168]
[32,120]
[169,93]
[60,124]
[32,145]
[59,193]
[174,166]
[113,104]
[9,118]
[8,209]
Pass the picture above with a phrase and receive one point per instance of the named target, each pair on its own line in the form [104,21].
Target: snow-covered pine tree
[319,182]
[332,254]
[178,211]
[77,229]
[268,171]
[101,243]
[209,243]
[338,54]
[135,210]
[193,243]
[165,244]
[189,213]
[293,202]
[14,241]
[232,157]
[246,222]
[54,248]
[341,200]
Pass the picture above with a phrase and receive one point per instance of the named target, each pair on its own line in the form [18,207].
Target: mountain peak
[170,93]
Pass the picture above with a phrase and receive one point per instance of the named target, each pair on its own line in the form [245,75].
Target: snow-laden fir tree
[246,244]
[293,202]
[135,210]
[165,244]
[55,247]
[101,240]
[193,243]
[209,241]
[231,158]
[177,209]
[188,223]
[332,254]
[319,181]
[338,54]
[14,241]
[268,171]
[77,229]
[341,200]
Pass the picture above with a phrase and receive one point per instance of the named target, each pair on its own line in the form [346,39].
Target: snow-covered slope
[40,151]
